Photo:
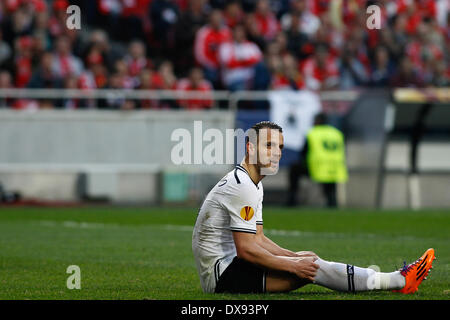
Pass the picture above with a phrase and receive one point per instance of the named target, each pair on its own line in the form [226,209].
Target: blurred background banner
[122,157]
[100,137]
[294,112]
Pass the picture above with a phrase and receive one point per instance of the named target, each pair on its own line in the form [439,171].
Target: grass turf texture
[135,253]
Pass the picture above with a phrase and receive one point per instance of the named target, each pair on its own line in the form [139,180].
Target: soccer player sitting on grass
[233,255]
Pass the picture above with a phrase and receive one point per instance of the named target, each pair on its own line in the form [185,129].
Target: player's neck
[253,171]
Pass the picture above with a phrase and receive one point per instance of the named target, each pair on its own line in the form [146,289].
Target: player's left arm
[275,249]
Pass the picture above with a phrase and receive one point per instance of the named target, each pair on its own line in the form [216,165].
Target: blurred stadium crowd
[231,45]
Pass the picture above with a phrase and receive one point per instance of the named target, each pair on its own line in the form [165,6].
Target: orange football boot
[416,272]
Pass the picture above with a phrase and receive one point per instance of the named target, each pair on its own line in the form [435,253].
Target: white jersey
[234,204]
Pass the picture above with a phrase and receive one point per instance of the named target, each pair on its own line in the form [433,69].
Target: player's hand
[304,254]
[305,268]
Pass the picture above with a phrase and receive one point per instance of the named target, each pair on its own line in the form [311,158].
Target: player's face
[270,146]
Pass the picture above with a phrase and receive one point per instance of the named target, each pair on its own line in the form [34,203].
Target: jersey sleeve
[242,206]
[259,218]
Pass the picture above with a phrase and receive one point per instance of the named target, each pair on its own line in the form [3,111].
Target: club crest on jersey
[247,213]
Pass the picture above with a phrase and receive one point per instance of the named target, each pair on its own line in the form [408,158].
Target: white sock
[345,277]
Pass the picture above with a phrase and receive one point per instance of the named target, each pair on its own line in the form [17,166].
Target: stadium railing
[217,95]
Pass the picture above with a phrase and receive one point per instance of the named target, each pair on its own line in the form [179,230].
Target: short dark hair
[263,125]
[266,125]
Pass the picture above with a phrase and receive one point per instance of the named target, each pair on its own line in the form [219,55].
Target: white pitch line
[187,228]
[297,233]
[76,224]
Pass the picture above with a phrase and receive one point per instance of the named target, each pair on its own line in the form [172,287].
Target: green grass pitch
[145,253]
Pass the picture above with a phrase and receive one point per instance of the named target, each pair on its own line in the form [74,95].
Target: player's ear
[251,152]
[250,147]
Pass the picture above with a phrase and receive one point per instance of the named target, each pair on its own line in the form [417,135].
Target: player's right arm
[241,202]
[248,249]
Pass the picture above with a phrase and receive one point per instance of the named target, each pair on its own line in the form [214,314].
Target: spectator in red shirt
[266,21]
[96,74]
[238,59]
[169,82]
[423,49]
[148,80]
[99,38]
[417,10]
[319,7]
[136,58]
[290,78]
[65,62]
[129,82]
[207,42]
[57,22]
[351,10]
[23,61]
[321,70]
[195,82]
[24,71]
